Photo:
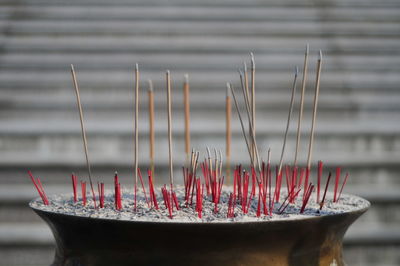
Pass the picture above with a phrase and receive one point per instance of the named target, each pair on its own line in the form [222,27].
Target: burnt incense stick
[314,115]
[251,130]
[210,165]
[301,107]
[229,85]
[244,90]
[253,101]
[245,84]
[244,132]
[171,170]
[186,102]
[246,81]
[289,117]
[136,126]
[228,112]
[151,124]
[83,131]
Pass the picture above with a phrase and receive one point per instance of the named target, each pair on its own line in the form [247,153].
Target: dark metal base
[93,241]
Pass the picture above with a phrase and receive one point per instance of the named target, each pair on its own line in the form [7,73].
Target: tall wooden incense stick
[151,124]
[136,126]
[247,96]
[245,93]
[229,85]
[253,101]
[171,170]
[289,117]
[252,159]
[83,131]
[186,102]
[316,95]
[251,128]
[303,89]
[228,111]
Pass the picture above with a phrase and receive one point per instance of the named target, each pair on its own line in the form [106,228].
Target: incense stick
[136,125]
[289,117]
[245,86]
[253,102]
[171,173]
[241,123]
[228,112]
[316,95]
[303,89]
[251,130]
[83,131]
[186,102]
[151,124]
[244,90]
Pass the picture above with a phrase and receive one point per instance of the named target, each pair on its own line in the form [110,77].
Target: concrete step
[358,136]
[269,80]
[171,28]
[204,62]
[197,13]
[210,3]
[199,44]
[118,102]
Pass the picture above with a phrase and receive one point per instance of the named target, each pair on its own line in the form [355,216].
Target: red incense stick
[74,186]
[307,197]
[337,179]
[40,190]
[144,190]
[320,166]
[326,189]
[83,187]
[344,183]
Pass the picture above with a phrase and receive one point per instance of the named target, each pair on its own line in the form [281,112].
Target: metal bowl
[94,241]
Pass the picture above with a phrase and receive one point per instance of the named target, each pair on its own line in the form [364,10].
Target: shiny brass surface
[94,241]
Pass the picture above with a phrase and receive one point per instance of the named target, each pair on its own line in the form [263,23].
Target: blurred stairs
[359,113]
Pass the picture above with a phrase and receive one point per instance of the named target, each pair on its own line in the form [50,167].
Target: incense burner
[88,241]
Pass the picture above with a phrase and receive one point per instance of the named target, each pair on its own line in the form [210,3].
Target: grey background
[358,120]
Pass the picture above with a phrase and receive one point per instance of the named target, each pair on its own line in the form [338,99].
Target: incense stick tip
[296,71]
[320,55]
[208,152]
[307,48]
[186,76]
[72,67]
[252,58]
[136,66]
[150,85]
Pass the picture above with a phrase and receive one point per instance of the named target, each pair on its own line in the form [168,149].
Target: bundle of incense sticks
[258,184]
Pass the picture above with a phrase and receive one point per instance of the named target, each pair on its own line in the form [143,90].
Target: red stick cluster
[39,188]
[247,188]
[153,197]
[199,197]
[100,187]
[167,199]
[83,187]
[74,179]
[189,183]
[117,193]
